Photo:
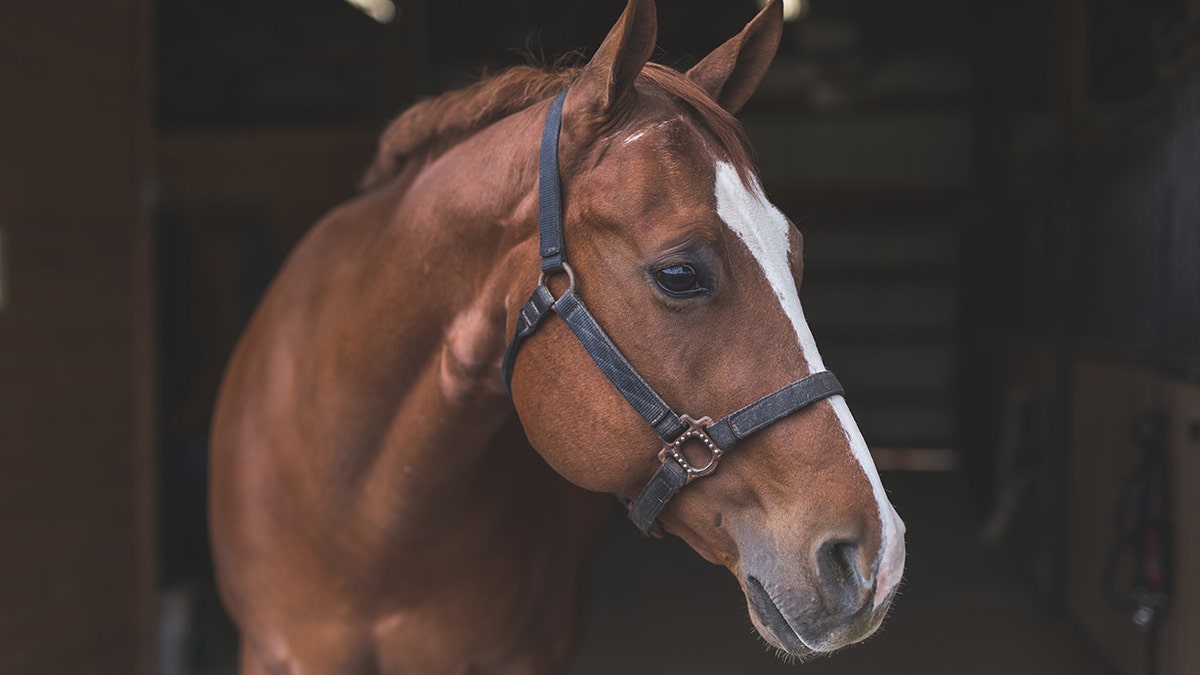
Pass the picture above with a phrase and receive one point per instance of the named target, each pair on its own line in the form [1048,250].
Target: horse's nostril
[838,564]
[842,556]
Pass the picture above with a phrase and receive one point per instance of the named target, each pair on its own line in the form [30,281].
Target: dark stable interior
[999,204]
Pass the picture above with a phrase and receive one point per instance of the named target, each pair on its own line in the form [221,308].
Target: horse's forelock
[724,127]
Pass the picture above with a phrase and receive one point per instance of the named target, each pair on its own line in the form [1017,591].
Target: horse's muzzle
[804,634]
[833,607]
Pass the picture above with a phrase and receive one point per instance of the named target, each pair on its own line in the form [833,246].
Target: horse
[411,456]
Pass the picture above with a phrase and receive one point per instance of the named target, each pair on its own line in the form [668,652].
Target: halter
[674,429]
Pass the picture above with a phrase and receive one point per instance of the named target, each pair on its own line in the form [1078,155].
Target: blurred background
[1001,205]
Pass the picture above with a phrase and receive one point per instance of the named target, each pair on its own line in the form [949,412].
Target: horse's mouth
[781,633]
[785,637]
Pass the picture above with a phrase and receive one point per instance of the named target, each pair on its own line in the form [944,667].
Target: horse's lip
[762,602]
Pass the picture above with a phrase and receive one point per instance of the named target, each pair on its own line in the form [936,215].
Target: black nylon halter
[674,429]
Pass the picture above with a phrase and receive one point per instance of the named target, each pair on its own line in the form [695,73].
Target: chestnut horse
[381,502]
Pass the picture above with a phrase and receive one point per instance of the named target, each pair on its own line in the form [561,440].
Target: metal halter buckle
[696,429]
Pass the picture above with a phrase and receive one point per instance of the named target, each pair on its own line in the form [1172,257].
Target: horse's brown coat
[379,505]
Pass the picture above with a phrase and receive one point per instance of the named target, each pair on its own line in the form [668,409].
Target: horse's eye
[678,279]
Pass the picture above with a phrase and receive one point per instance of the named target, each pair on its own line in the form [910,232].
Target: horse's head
[695,276]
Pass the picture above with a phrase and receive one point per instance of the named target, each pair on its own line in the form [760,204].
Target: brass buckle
[696,429]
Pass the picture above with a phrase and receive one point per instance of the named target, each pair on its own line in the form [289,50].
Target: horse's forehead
[662,165]
[665,137]
[657,130]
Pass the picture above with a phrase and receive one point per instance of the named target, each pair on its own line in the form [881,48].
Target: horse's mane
[432,126]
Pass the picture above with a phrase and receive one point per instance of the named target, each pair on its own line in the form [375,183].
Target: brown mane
[432,126]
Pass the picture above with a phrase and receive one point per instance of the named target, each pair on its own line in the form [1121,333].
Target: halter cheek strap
[674,429]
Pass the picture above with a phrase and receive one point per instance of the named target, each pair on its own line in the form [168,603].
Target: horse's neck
[410,339]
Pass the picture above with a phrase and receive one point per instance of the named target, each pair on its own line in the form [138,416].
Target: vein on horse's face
[764,230]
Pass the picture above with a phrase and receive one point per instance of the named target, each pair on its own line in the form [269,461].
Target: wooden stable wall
[1181,653]
[1108,398]
[291,176]
[77,553]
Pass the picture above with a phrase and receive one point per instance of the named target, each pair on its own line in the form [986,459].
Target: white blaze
[764,230]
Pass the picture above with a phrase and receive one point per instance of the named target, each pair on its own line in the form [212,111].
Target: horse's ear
[608,78]
[731,73]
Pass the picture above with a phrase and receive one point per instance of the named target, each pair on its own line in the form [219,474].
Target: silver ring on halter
[570,279]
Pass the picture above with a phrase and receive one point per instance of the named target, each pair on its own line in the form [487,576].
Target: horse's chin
[770,623]
[787,634]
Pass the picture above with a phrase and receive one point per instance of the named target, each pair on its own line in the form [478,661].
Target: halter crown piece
[674,429]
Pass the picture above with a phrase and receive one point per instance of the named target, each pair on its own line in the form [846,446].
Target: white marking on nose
[764,230]
[634,136]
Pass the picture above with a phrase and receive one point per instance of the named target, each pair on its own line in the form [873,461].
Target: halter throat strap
[674,429]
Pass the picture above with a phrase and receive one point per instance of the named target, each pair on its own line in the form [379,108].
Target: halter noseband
[674,429]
